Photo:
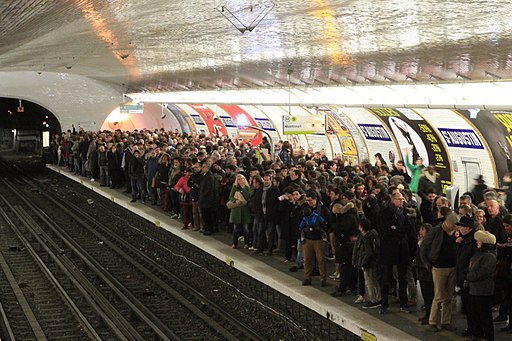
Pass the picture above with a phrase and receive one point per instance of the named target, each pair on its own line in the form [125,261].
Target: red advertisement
[213,123]
[243,120]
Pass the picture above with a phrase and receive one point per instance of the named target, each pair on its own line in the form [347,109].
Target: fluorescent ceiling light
[446,95]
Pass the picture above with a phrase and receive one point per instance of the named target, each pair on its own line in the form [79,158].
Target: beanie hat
[485,237]
[349,195]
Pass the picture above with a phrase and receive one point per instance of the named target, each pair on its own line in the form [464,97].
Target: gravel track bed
[55,318]
[276,316]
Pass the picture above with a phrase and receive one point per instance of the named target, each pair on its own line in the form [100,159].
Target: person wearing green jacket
[416,171]
[240,215]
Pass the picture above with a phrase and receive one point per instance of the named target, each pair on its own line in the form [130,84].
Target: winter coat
[428,211]
[416,175]
[207,195]
[271,205]
[102,159]
[255,205]
[195,185]
[365,250]
[429,181]
[397,237]
[182,185]
[481,270]
[312,226]
[432,244]
[422,266]
[113,161]
[495,226]
[465,250]
[240,214]
[151,167]
[344,230]
[137,167]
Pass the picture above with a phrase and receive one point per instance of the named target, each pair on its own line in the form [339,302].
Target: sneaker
[92,179]
[252,248]
[334,275]
[448,327]
[133,200]
[174,215]
[359,299]
[371,305]
[246,246]
[294,268]
[233,246]
[306,282]
[405,309]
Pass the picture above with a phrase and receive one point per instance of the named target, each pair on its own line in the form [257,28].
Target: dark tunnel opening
[23,125]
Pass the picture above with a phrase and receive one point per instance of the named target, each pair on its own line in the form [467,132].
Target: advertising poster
[350,130]
[411,130]
[215,126]
[183,119]
[496,128]
[243,121]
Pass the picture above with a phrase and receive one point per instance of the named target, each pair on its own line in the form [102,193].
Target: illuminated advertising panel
[411,130]
[496,128]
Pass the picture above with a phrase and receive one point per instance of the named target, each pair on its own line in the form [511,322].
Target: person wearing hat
[466,248]
[481,285]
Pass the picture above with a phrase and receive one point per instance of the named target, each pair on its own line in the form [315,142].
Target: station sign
[131,108]
[302,124]
[461,138]
[374,132]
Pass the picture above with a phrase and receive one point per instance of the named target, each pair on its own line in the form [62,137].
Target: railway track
[145,300]
[229,305]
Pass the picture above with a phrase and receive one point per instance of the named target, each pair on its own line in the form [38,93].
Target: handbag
[239,197]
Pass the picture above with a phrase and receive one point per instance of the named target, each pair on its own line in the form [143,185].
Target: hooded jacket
[366,250]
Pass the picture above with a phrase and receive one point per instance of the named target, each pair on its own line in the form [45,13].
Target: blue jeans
[256,228]
[138,187]
[240,228]
[104,175]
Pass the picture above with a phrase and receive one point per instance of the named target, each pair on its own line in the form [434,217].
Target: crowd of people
[386,230]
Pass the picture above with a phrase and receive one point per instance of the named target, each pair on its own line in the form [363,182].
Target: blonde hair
[240,176]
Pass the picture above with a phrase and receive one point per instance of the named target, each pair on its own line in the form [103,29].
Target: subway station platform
[274,271]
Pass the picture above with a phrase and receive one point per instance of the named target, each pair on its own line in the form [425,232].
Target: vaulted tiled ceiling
[164,45]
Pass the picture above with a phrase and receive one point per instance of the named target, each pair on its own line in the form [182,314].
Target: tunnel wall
[455,141]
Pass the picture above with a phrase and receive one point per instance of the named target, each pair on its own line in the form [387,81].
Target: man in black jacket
[466,248]
[208,199]
[271,216]
[194,182]
[137,177]
[398,245]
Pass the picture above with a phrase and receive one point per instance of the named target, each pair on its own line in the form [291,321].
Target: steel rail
[58,259]
[74,211]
